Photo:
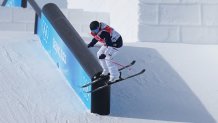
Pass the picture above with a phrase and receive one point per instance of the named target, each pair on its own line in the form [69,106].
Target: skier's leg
[102,61]
[113,70]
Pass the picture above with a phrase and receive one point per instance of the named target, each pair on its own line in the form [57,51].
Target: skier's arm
[92,43]
[107,38]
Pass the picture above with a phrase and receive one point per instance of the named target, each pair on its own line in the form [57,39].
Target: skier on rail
[112,41]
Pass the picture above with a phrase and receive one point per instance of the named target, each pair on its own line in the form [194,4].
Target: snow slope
[32,89]
[180,85]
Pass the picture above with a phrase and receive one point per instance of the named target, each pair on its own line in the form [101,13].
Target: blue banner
[64,59]
[14,3]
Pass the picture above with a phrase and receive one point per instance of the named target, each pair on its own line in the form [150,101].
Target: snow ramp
[32,87]
[179,85]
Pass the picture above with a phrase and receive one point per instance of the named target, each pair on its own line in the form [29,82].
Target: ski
[107,77]
[129,65]
[110,83]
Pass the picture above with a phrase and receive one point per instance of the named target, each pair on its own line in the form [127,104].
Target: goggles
[95,31]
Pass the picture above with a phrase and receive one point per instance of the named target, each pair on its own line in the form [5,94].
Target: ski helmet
[94,25]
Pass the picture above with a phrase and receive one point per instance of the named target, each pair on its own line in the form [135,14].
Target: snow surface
[180,85]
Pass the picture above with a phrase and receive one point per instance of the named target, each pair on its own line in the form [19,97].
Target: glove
[102,56]
[89,45]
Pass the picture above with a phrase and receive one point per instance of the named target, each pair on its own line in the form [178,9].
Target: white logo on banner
[45,31]
[59,51]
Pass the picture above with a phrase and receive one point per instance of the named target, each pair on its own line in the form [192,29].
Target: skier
[111,40]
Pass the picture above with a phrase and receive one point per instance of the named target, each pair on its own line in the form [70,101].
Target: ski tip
[143,70]
[83,86]
[92,91]
[133,62]
[88,91]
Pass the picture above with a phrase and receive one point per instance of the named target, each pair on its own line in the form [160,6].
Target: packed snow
[180,85]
